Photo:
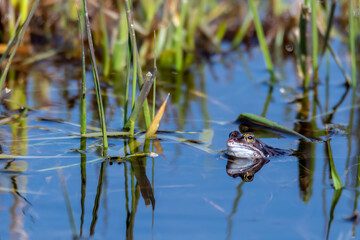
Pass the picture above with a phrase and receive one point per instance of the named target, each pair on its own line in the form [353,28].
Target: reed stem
[96,77]
[261,38]
[314,36]
[18,38]
[137,68]
[83,80]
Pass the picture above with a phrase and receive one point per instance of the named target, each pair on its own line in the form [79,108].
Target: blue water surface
[193,196]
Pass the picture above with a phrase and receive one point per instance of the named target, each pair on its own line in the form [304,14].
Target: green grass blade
[121,43]
[179,36]
[261,38]
[128,63]
[220,33]
[10,44]
[11,18]
[303,46]
[243,30]
[24,5]
[105,42]
[314,35]
[154,85]
[96,76]
[136,56]
[18,40]
[329,26]
[83,80]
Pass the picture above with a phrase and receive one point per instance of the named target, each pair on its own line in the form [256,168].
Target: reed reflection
[15,183]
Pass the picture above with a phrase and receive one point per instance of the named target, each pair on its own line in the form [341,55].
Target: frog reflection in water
[244,167]
[247,155]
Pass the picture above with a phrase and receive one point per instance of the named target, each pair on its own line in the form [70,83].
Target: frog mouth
[242,151]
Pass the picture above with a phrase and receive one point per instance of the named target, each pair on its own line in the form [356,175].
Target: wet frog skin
[247,146]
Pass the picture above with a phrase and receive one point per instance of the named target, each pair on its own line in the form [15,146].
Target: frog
[247,146]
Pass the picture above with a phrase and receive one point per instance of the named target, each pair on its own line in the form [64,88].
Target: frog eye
[248,177]
[249,138]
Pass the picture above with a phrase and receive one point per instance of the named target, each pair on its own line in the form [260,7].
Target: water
[185,192]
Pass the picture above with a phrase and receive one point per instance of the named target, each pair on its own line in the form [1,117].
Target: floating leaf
[261,122]
[155,123]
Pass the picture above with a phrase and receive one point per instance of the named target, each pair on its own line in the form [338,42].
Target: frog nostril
[234,134]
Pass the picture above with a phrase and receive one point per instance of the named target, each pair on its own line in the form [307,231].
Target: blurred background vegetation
[174,34]
[177,32]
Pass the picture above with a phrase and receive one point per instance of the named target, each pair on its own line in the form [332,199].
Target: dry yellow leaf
[156,121]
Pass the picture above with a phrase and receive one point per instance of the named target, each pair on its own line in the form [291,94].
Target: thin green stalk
[196,12]
[352,32]
[11,19]
[136,56]
[72,10]
[303,48]
[179,38]
[329,26]
[220,33]
[105,42]
[83,80]
[132,124]
[121,44]
[18,40]
[11,42]
[154,85]
[128,63]
[261,38]
[314,35]
[242,31]
[24,5]
[134,79]
[96,76]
